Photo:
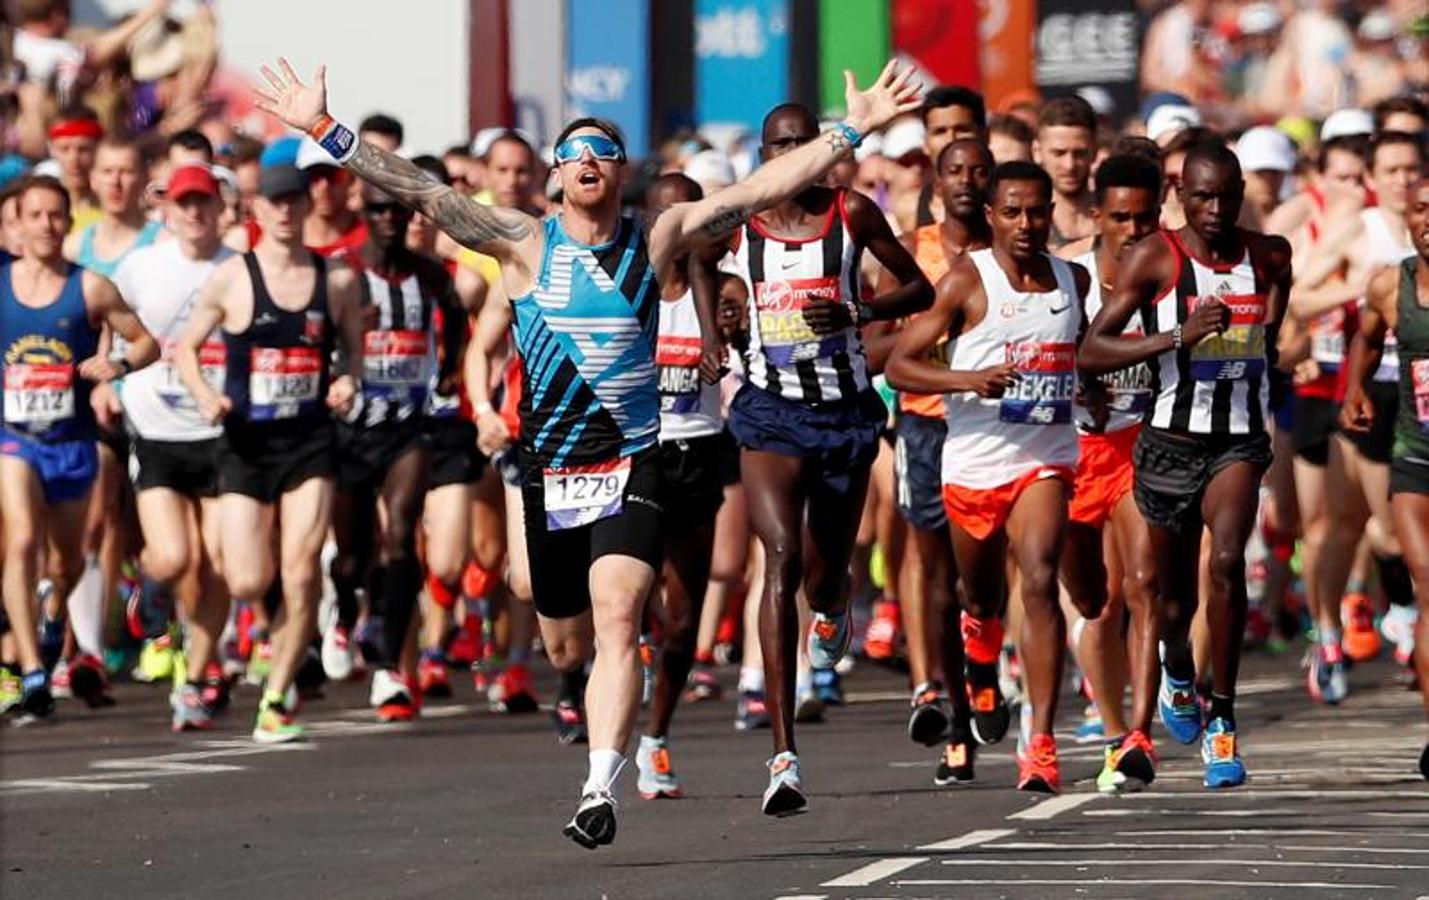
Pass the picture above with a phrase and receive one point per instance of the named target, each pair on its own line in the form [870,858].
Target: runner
[382,453]
[74,138]
[1398,300]
[1011,447]
[1106,532]
[1066,145]
[51,312]
[583,286]
[175,451]
[1210,297]
[928,574]
[282,309]
[950,113]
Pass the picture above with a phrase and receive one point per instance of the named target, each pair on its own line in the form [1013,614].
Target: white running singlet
[1128,390]
[689,408]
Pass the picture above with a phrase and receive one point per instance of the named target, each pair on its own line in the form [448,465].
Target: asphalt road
[470,804]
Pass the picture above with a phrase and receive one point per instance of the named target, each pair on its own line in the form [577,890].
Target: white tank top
[1129,393]
[689,408]
[1386,249]
[161,285]
[995,442]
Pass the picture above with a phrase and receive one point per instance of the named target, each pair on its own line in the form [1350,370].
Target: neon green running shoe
[275,725]
[156,660]
[1109,780]
[10,690]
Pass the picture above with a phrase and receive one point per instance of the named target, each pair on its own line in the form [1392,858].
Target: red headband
[81,128]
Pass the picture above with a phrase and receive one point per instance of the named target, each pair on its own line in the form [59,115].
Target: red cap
[191,180]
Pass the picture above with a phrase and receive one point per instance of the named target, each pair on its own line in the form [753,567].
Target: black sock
[401,581]
[1394,578]
[1179,662]
[573,686]
[1223,707]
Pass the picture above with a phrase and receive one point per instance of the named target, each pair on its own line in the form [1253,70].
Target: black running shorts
[692,478]
[1315,422]
[1377,444]
[1408,476]
[364,455]
[454,457]
[561,559]
[1172,471]
[187,467]
[918,471]
[265,466]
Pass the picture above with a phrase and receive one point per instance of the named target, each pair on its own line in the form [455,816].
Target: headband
[81,128]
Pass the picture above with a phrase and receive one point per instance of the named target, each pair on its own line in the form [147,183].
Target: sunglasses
[600,147]
[382,209]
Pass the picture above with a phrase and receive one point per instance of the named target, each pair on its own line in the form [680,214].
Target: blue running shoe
[1091,730]
[1180,708]
[828,687]
[52,641]
[1218,750]
[829,638]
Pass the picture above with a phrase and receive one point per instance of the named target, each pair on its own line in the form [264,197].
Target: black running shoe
[956,764]
[594,821]
[928,723]
[570,724]
[1424,762]
[35,697]
[990,713]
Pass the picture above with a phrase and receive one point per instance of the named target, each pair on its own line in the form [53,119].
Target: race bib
[678,360]
[1327,340]
[1129,390]
[394,364]
[283,382]
[38,395]
[212,364]
[1238,353]
[579,495]
[786,337]
[1419,377]
[1047,383]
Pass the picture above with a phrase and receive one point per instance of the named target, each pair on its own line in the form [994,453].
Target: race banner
[741,60]
[1082,43]
[608,66]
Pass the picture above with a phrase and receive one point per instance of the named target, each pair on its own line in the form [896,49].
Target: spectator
[1170,57]
[381,130]
[1010,139]
[1318,44]
[74,137]
[1376,66]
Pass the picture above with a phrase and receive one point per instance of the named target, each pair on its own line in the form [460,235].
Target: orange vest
[928,252]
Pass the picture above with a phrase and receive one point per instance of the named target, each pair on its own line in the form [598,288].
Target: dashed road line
[880,870]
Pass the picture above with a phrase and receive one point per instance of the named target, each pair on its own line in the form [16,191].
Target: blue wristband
[850,134]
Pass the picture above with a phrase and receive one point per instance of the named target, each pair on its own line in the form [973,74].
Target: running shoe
[88,681]
[275,724]
[956,764]
[517,697]
[190,712]
[808,708]
[9,689]
[991,716]
[1424,763]
[785,795]
[1180,708]
[1398,628]
[35,697]
[465,648]
[570,722]
[432,675]
[246,632]
[260,662]
[215,689]
[880,641]
[1128,766]
[1326,678]
[1219,752]
[392,697]
[337,653]
[1091,730]
[1037,769]
[1361,642]
[828,685]
[657,779]
[929,720]
[52,640]
[59,681]
[750,712]
[647,670]
[829,638]
[594,821]
[702,685]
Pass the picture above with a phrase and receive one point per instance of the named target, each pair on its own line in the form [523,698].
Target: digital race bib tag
[1238,353]
[1047,383]
[38,395]
[786,337]
[283,382]
[579,495]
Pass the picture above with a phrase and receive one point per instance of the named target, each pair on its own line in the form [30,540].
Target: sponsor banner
[608,65]
[1007,30]
[853,35]
[741,60]
[941,38]
[1086,43]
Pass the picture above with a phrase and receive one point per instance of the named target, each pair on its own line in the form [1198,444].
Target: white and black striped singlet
[399,354]
[785,357]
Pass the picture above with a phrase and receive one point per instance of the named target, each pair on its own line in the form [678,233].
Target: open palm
[301,106]
[892,94]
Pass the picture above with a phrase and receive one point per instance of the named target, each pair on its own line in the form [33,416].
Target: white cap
[1098,98]
[1264,148]
[1258,18]
[311,153]
[902,138]
[225,176]
[1378,25]
[711,169]
[1346,122]
[47,167]
[872,146]
[481,144]
[1170,118]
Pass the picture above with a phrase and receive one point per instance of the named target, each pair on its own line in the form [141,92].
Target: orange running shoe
[880,641]
[1361,640]
[1037,769]
[982,639]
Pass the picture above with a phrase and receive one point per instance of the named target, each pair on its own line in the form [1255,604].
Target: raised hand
[892,94]
[301,106]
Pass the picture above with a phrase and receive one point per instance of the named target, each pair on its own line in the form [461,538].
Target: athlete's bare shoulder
[1151,260]
[1074,249]
[1271,252]
[1082,277]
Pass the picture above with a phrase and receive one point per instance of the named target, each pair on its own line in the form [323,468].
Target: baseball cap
[1170,118]
[310,153]
[1346,122]
[711,169]
[280,181]
[1378,25]
[1098,98]
[281,152]
[902,138]
[191,180]
[1258,18]
[1264,148]
[1158,99]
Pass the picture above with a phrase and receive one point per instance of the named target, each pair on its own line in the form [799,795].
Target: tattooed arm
[685,226]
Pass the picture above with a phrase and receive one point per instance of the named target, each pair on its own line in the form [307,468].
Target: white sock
[1329,637]
[751,678]
[86,613]
[651,743]
[605,766]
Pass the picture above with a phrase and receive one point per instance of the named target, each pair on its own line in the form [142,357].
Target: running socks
[573,691]
[751,680]
[982,638]
[1394,578]
[605,766]
[1223,707]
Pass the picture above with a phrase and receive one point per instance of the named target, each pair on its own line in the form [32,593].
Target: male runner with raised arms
[1398,299]
[1210,298]
[1012,315]
[807,418]
[51,312]
[583,285]
[282,309]
[175,449]
[926,580]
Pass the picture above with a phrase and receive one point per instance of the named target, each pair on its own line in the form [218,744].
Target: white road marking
[1293,794]
[1053,806]
[1042,845]
[1197,882]
[1103,863]
[881,870]
[971,839]
[1239,813]
[67,785]
[1308,832]
[803,897]
[1310,848]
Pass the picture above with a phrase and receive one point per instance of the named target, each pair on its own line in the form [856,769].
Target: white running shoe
[337,653]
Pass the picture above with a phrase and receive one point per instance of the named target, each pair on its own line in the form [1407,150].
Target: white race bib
[37,395]
[283,382]
[579,495]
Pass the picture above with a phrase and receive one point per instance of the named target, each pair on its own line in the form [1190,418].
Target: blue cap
[282,152]
[1161,98]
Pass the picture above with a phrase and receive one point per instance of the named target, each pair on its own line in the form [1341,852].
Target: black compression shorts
[1172,472]
[187,467]
[266,466]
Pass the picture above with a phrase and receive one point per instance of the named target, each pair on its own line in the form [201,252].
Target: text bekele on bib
[394,364]
[1045,386]
[38,395]
[1238,352]
[283,382]
[785,335]
[212,364]
[576,496]
[678,362]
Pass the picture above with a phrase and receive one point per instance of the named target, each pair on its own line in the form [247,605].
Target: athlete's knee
[166,561]
[65,570]
[1140,589]
[1039,584]
[567,653]
[302,582]
[1226,564]
[783,562]
[487,550]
